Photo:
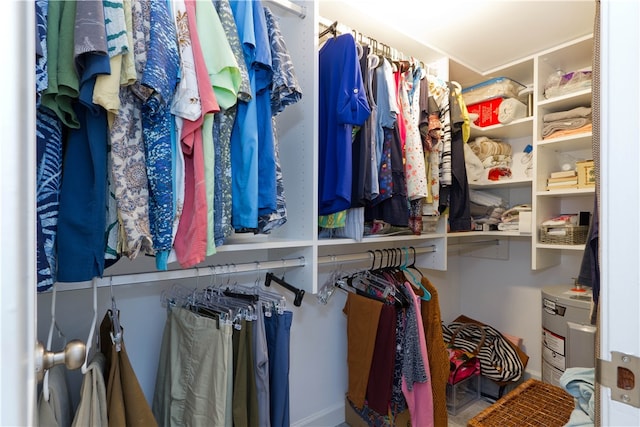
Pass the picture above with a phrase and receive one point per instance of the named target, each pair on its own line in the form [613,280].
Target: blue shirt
[246,136]
[343,104]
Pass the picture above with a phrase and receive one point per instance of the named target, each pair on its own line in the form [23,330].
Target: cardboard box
[487,112]
[586,174]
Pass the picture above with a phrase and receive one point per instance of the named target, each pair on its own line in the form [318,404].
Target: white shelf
[503,183]
[560,247]
[581,98]
[568,143]
[516,129]
[498,234]
[566,192]
[380,239]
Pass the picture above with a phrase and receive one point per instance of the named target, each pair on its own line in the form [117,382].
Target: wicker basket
[571,234]
[533,403]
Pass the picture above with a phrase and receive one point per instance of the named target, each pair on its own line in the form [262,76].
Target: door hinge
[620,375]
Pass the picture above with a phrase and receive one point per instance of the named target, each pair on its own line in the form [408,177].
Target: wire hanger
[90,345]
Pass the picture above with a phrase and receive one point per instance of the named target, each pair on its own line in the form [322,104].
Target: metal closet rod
[301,11]
[156,276]
[363,256]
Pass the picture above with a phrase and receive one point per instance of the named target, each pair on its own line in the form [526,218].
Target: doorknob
[72,356]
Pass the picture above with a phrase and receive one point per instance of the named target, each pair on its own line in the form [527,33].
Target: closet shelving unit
[519,134]
[535,70]
[571,56]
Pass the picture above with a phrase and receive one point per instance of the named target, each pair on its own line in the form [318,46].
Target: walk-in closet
[196,262]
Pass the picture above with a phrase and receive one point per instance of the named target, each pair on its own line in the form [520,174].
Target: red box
[487,112]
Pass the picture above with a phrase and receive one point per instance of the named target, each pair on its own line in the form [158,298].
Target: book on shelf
[563,174]
[552,187]
[568,179]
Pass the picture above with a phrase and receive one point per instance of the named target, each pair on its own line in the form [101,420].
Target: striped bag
[499,359]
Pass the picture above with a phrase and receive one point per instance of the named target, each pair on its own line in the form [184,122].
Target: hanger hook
[258,269]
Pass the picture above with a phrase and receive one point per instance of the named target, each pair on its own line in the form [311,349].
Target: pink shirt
[191,238]
[420,398]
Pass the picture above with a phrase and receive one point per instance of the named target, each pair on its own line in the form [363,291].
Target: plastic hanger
[54,325]
[427,295]
[90,345]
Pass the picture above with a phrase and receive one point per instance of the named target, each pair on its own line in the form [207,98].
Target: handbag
[463,363]
[500,360]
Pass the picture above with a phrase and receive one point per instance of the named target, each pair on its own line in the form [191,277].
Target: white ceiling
[479,34]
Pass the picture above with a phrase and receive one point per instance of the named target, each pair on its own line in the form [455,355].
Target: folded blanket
[568,132]
[511,226]
[568,114]
[511,109]
[485,198]
[513,214]
[575,123]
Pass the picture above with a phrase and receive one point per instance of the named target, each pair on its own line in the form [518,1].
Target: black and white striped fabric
[499,360]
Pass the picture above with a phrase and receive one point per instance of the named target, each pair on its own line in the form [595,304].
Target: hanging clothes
[363,315]
[57,411]
[285,91]
[400,380]
[456,195]
[92,409]
[160,78]
[278,332]
[48,162]
[193,384]
[126,402]
[438,355]
[223,126]
[83,195]
[343,105]
[127,147]
[191,238]
[245,396]
[224,76]
[251,135]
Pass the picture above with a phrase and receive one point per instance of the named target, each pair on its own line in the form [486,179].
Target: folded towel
[575,123]
[511,226]
[568,132]
[568,114]
[579,382]
[511,109]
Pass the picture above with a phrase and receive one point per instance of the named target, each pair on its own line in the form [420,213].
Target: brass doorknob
[72,356]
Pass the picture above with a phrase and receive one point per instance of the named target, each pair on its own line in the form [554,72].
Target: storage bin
[462,393]
[500,87]
[487,112]
[564,234]
[533,403]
